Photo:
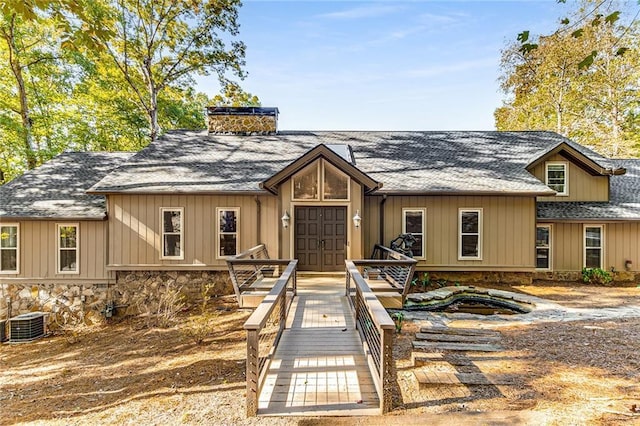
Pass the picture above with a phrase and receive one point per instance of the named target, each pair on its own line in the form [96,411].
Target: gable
[337,160]
[589,164]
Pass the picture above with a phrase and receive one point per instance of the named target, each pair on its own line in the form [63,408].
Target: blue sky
[356,65]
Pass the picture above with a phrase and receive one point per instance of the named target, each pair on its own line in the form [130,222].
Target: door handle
[322,242]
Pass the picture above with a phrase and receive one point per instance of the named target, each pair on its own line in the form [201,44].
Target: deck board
[319,367]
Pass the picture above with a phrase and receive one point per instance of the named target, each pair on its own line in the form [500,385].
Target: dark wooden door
[320,238]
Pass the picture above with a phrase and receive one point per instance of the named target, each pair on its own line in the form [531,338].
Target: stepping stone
[460,338]
[459,331]
[421,359]
[435,378]
[450,346]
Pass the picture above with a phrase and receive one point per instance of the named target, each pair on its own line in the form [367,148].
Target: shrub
[596,276]
[398,319]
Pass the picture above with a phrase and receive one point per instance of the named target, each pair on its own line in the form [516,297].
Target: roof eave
[467,192]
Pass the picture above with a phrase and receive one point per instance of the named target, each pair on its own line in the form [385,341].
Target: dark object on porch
[403,243]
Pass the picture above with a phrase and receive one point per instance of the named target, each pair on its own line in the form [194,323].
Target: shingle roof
[57,188]
[420,162]
[624,199]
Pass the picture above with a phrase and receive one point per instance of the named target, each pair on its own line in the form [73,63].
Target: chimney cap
[223,110]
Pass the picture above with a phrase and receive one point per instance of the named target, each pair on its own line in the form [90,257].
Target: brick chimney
[242,120]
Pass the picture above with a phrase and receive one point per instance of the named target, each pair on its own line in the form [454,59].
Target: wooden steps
[445,348]
[437,378]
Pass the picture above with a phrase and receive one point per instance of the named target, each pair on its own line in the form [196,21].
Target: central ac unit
[27,327]
[3,332]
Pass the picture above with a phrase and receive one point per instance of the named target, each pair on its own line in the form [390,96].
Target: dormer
[573,174]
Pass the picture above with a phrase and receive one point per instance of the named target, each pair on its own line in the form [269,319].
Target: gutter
[381,221]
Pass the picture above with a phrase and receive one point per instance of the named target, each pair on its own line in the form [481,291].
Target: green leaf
[597,20]
[528,47]
[565,21]
[612,17]
[577,33]
[586,62]
[621,51]
[523,36]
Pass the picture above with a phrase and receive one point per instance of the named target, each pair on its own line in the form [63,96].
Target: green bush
[596,276]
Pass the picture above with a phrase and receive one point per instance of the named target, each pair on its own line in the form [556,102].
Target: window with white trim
[68,236]
[9,248]
[172,222]
[543,247]
[413,223]
[470,234]
[228,239]
[593,246]
[557,174]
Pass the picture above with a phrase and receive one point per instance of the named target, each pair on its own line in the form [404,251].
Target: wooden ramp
[319,367]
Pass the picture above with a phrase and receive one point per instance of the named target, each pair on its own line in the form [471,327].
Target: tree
[158,45]
[232,95]
[551,88]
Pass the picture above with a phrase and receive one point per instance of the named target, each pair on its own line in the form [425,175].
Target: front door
[320,238]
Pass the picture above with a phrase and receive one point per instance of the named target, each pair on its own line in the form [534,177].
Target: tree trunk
[25,116]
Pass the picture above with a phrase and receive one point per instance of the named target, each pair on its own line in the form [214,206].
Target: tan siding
[582,186]
[135,227]
[621,243]
[38,251]
[508,236]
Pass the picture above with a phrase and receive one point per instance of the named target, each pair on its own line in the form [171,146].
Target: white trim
[550,247]
[76,248]
[163,233]
[17,249]
[219,233]
[423,211]
[584,244]
[565,165]
[480,233]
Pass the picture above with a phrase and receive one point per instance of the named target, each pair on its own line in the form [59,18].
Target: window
[172,226]
[413,223]
[68,254]
[593,246]
[470,242]
[543,247]
[9,252]
[228,231]
[308,186]
[335,184]
[557,178]
[305,184]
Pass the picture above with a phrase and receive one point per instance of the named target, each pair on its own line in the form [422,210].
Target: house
[482,206]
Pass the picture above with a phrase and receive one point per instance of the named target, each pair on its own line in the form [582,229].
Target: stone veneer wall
[132,293]
[243,124]
[620,278]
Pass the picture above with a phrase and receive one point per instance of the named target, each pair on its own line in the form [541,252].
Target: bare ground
[585,372]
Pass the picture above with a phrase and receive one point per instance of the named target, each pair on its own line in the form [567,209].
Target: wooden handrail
[259,353]
[378,340]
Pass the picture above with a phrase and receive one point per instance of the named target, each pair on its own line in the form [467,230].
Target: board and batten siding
[135,229]
[508,233]
[582,186]
[621,243]
[38,252]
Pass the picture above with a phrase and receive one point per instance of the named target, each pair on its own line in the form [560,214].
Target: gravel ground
[567,372]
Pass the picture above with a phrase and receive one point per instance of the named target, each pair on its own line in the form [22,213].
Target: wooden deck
[319,367]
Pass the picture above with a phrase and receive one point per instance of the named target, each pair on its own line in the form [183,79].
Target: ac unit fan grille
[24,328]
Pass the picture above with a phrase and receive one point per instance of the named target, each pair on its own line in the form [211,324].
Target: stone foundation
[133,292]
[481,278]
[620,278]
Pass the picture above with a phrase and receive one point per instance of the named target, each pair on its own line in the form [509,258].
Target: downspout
[258,214]
[384,200]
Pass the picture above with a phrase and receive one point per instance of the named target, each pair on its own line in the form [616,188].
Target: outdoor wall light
[285,219]
[357,219]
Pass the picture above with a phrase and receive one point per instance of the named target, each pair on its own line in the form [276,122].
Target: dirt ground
[585,372]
